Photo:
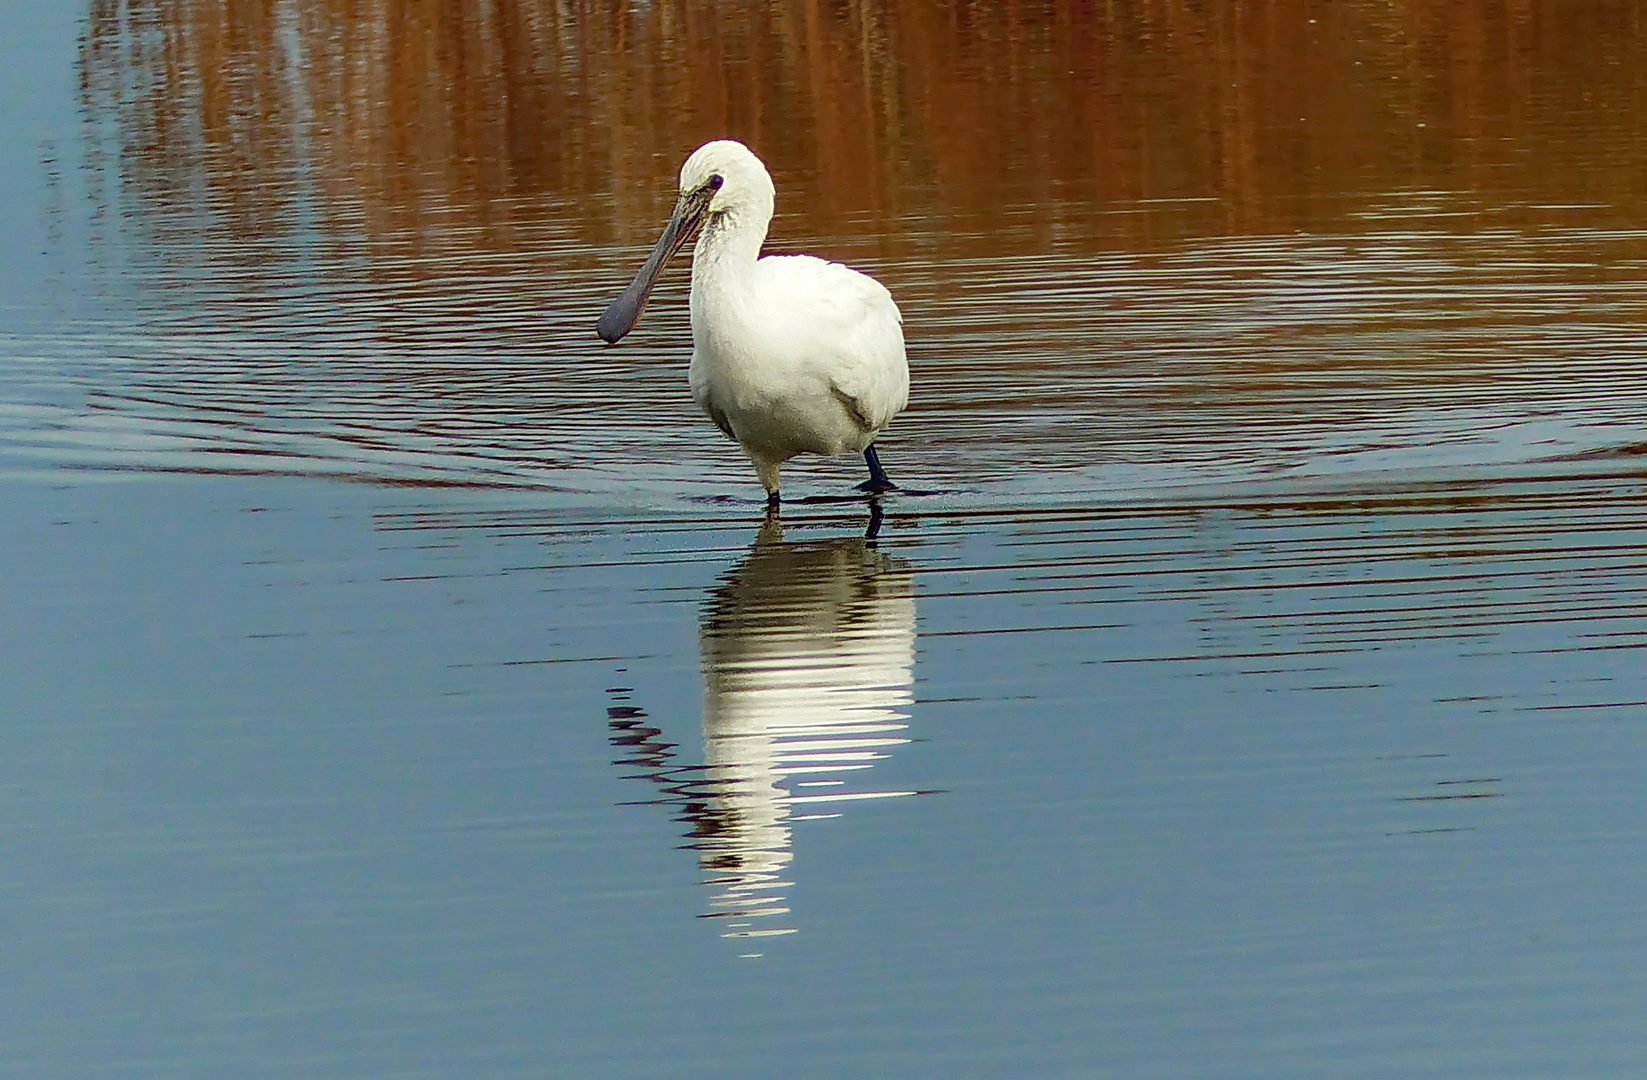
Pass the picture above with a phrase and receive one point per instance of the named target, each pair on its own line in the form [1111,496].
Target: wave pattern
[1052,373]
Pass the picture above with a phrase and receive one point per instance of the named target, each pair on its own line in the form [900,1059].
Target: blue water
[322,780]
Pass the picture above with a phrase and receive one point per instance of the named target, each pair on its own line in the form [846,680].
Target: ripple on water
[1049,371]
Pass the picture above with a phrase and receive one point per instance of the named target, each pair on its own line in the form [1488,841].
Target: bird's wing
[845,330]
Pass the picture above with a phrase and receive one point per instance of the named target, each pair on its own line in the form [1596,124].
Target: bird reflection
[808,653]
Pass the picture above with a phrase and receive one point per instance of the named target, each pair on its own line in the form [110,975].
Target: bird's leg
[878,480]
[766,471]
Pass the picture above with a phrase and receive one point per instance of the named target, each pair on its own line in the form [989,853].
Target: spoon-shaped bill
[625,311]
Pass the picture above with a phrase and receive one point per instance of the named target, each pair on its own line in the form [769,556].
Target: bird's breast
[796,355]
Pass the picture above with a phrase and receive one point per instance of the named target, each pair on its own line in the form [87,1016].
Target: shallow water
[401,683]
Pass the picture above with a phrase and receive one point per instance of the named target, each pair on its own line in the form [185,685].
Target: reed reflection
[808,654]
[389,117]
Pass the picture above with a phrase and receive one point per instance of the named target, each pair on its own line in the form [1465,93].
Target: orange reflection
[876,117]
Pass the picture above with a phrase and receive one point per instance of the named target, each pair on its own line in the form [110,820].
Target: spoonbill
[790,354]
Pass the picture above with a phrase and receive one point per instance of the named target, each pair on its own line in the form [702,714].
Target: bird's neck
[728,247]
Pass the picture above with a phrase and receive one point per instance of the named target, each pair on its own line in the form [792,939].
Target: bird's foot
[878,481]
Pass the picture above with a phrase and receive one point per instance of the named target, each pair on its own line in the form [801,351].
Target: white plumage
[790,354]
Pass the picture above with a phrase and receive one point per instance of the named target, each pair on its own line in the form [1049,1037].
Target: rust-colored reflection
[399,115]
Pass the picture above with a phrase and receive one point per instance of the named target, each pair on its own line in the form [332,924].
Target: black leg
[772,502]
[878,480]
[875,515]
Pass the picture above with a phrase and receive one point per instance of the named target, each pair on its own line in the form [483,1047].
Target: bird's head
[721,180]
[726,178]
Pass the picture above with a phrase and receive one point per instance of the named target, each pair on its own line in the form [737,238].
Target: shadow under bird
[790,354]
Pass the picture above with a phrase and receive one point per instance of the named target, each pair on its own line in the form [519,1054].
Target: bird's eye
[715,181]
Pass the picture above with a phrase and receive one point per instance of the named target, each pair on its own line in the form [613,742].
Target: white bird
[790,354]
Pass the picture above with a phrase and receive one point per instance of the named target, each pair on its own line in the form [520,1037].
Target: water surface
[399,682]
